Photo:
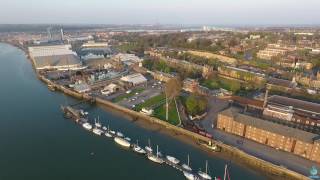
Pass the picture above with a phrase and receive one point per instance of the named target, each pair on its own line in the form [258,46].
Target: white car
[128,92]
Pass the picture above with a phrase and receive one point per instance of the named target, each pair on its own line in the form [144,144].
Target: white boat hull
[87,126]
[172,159]
[204,175]
[139,150]
[186,167]
[122,142]
[190,176]
[108,135]
[97,131]
[155,159]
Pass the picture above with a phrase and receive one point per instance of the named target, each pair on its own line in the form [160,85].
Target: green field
[150,102]
[160,111]
[124,96]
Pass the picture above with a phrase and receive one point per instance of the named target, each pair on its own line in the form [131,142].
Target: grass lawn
[133,92]
[150,102]
[160,112]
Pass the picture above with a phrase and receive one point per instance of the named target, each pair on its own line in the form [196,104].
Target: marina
[69,151]
[157,157]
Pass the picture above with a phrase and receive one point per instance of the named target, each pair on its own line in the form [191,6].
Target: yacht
[97,123]
[155,158]
[97,131]
[148,148]
[127,138]
[104,128]
[119,134]
[112,132]
[122,142]
[205,175]
[87,126]
[187,166]
[107,133]
[172,159]
[138,149]
[190,176]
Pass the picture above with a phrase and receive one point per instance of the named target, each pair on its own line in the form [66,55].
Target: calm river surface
[37,143]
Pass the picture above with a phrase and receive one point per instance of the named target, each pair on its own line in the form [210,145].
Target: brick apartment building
[278,136]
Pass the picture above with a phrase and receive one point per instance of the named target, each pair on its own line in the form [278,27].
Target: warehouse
[59,57]
[134,79]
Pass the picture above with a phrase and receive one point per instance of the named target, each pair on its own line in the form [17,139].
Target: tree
[196,104]
[172,90]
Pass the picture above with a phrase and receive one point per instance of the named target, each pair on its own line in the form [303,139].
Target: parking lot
[152,89]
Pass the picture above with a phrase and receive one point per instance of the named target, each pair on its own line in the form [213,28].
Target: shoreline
[228,153]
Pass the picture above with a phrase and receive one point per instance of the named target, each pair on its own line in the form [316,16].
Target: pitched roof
[270,126]
[58,60]
[296,103]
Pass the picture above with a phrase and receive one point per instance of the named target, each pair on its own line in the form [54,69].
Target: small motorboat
[104,128]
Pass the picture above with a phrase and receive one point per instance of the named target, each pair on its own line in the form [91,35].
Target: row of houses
[293,140]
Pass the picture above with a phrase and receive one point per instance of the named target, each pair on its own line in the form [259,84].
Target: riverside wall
[267,167]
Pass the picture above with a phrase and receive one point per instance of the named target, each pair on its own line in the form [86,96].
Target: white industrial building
[59,57]
[134,79]
[128,59]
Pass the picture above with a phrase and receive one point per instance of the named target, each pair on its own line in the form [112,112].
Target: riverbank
[174,131]
[238,156]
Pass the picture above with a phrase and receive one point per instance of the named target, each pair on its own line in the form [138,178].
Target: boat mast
[225,172]
[188,161]
[206,166]
[157,150]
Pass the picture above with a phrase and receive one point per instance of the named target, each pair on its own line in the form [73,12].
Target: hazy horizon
[185,12]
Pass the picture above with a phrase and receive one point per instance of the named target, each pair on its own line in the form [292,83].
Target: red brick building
[281,137]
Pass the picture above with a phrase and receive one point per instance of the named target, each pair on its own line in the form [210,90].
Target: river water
[37,143]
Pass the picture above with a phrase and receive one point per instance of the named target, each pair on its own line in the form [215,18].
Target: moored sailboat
[205,175]
[155,158]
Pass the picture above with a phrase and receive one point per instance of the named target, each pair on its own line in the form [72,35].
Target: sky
[187,12]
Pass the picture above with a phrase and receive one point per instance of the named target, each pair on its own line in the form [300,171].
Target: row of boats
[156,157]
[148,151]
